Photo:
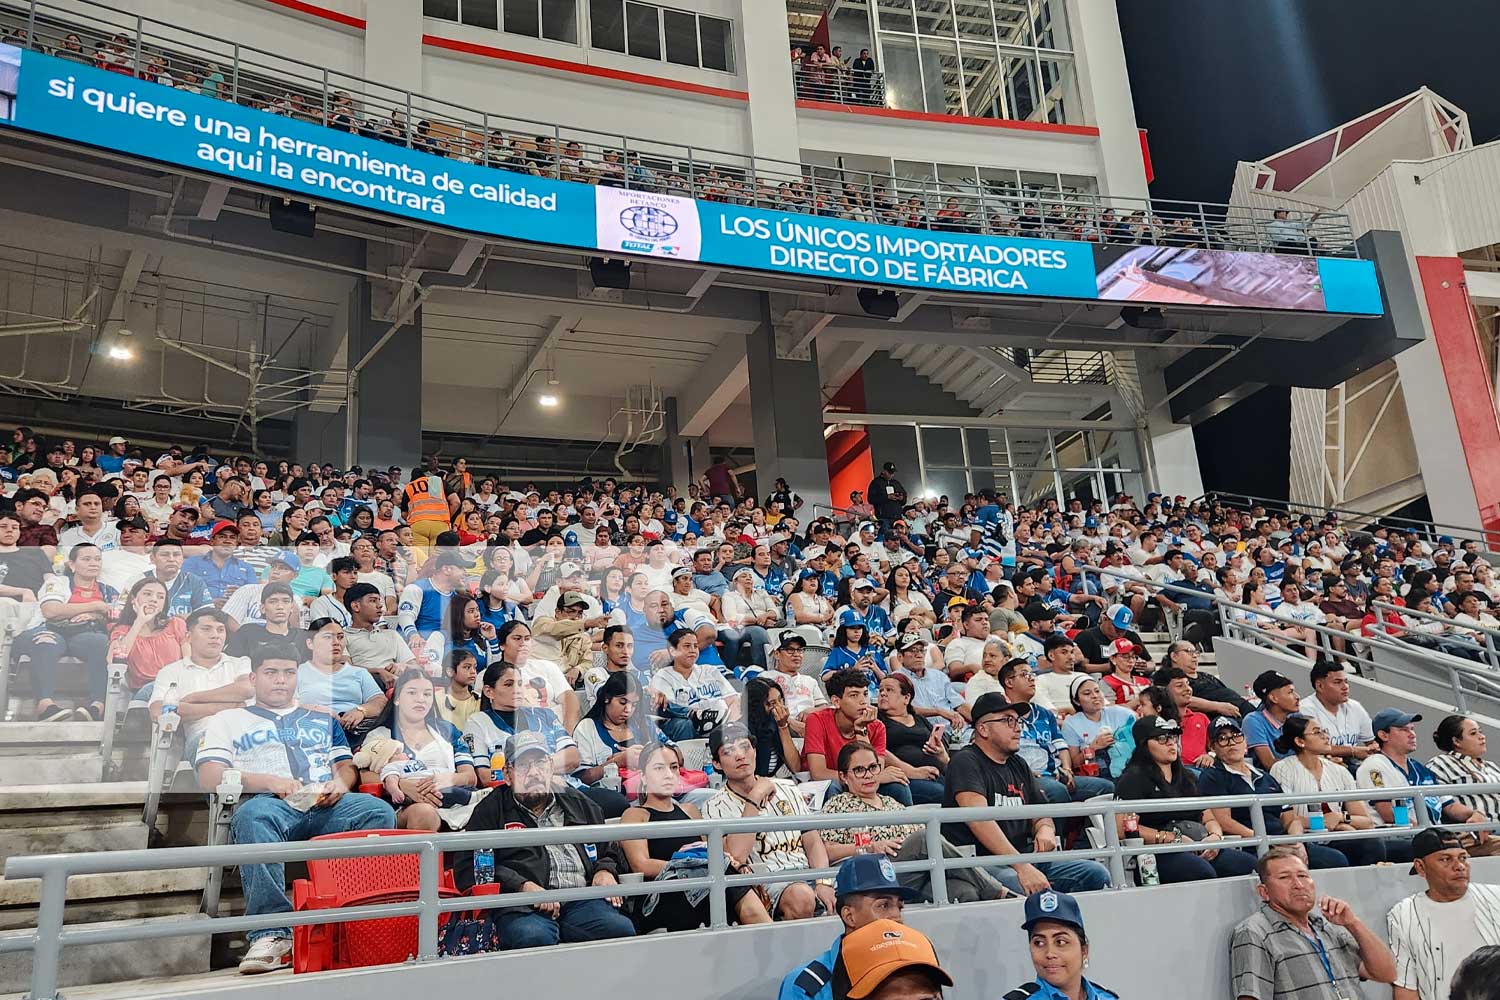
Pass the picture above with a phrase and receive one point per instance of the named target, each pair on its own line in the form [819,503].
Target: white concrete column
[1172,465]
[393,43]
[765,48]
[1104,86]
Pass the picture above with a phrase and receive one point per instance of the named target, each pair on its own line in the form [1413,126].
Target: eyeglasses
[1165,739]
[1229,737]
[1013,721]
[865,770]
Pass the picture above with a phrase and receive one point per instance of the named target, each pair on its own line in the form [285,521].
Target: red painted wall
[849,464]
[1466,373]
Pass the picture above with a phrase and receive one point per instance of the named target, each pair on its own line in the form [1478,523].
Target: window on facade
[445,9]
[715,43]
[680,33]
[479,13]
[607,25]
[643,30]
[523,18]
[979,58]
[560,20]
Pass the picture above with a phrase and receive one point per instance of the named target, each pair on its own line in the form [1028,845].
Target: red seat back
[345,878]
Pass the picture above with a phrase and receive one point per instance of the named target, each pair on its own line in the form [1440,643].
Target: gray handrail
[1432,529]
[1455,668]
[299,89]
[50,936]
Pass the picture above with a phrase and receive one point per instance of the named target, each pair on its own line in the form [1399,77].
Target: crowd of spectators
[820,74]
[461,652]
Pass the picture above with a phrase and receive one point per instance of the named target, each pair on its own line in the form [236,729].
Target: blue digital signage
[117,112]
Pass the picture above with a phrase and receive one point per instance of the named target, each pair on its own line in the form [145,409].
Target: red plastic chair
[364,881]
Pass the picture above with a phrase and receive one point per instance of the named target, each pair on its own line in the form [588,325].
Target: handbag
[471,932]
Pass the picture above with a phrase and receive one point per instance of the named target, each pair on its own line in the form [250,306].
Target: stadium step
[68,818]
[50,753]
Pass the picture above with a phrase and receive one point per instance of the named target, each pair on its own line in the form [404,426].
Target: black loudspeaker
[881,304]
[295,217]
[1143,318]
[609,273]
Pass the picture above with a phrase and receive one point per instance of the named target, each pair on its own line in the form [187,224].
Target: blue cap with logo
[851,617]
[869,873]
[1049,904]
[1392,718]
[1120,616]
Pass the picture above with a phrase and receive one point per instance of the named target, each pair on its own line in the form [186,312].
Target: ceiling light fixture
[547,400]
[119,353]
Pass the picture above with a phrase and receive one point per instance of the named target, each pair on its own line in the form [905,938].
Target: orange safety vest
[421,505]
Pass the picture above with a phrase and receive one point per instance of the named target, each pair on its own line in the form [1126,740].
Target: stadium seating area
[173,57]
[143,594]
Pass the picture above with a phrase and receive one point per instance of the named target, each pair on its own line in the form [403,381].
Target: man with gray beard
[531,799]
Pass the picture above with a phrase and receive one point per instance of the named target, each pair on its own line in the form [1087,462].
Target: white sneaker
[266,954]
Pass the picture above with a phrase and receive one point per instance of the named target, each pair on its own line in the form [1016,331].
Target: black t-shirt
[25,568]
[1136,783]
[1092,643]
[1008,784]
[906,742]
[247,637]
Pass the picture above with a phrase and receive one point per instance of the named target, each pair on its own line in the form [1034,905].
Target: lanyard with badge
[1317,942]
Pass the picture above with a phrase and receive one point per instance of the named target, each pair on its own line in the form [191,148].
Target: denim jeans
[1083,788]
[46,648]
[735,641]
[926,792]
[1186,867]
[676,728]
[581,920]
[1065,876]
[266,819]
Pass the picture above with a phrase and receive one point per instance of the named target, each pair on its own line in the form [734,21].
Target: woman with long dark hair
[1308,769]
[614,730]
[769,722]
[1155,771]
[661,769]
[145,637]
[440,771]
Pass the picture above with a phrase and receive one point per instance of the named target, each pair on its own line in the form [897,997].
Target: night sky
[1217,81]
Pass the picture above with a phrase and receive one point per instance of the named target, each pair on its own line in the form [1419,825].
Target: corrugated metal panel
[1470,183]
[1309,457]
[1377,206]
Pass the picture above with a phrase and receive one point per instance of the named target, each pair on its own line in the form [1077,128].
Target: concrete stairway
[81,814]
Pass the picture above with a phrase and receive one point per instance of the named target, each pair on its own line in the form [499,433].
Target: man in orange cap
[885,960]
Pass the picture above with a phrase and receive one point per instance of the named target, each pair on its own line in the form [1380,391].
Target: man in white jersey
[297,773]
[1432,932]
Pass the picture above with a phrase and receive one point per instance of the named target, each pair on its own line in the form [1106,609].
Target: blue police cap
[1049,904]
[869,873]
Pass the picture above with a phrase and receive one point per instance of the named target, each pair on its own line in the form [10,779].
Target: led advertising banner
[112,111]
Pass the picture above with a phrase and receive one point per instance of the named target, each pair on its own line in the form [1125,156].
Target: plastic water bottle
[169,718]
[484,866]
[1133,839]
[714,779]
[611,779]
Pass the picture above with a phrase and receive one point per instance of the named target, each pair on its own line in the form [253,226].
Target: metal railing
[1428,530]
[1241,621]
[143,47]
[52,934]
[836,84]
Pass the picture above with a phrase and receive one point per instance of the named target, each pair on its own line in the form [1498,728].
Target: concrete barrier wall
[981,944]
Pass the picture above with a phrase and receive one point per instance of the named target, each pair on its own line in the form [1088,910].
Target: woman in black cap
[1059,951]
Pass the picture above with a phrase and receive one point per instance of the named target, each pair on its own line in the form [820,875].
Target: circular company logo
[887,870]
[648,223]
[1049,902]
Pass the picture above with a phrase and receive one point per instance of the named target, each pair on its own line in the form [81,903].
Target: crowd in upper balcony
[851,195]
[468,651]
